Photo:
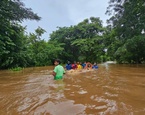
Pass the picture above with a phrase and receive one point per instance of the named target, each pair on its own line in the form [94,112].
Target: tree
[14,48]
[127,23]
[83,42]
[15,10]
[90,50]
[11,13]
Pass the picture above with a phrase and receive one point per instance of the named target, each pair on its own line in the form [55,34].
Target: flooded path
[111,90]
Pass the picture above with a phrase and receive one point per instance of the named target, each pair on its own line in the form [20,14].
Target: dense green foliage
[124,37]
[127,25]
[83,42]
[12,47]
[16,48]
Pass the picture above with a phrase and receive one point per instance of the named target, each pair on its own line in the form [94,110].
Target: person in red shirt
[74,65]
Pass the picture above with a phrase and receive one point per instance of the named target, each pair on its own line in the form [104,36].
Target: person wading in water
[58,70]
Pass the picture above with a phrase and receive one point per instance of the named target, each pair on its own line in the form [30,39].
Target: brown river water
[111,90]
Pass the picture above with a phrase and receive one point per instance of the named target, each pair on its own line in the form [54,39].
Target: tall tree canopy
[15,10]
[124,37]
[83,42]
[11,13]
[128,25]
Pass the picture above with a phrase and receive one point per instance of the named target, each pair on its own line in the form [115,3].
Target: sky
[60,13]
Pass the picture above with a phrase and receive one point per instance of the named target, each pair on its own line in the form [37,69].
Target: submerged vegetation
[122,40]
[16,69]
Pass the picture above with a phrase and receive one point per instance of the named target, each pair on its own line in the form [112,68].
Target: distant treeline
[123,39]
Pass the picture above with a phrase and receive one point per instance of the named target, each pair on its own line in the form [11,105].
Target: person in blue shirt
[95,66]
[84,64]
[68,66]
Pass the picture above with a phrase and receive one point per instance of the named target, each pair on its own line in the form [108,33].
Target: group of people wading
[78,66]
[59,70]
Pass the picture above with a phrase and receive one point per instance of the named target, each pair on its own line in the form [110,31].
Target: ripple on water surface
[112,89]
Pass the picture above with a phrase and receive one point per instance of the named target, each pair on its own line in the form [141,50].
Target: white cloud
[64,12]
[79,10]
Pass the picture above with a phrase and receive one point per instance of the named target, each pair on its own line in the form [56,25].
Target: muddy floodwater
[111,90]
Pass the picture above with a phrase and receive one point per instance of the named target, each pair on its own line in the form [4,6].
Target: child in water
[95,66]
[58,70]
[68,66]
[83,65]
[79,65]
[74,66]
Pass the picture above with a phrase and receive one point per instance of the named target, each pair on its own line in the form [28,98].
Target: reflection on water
[112,89]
